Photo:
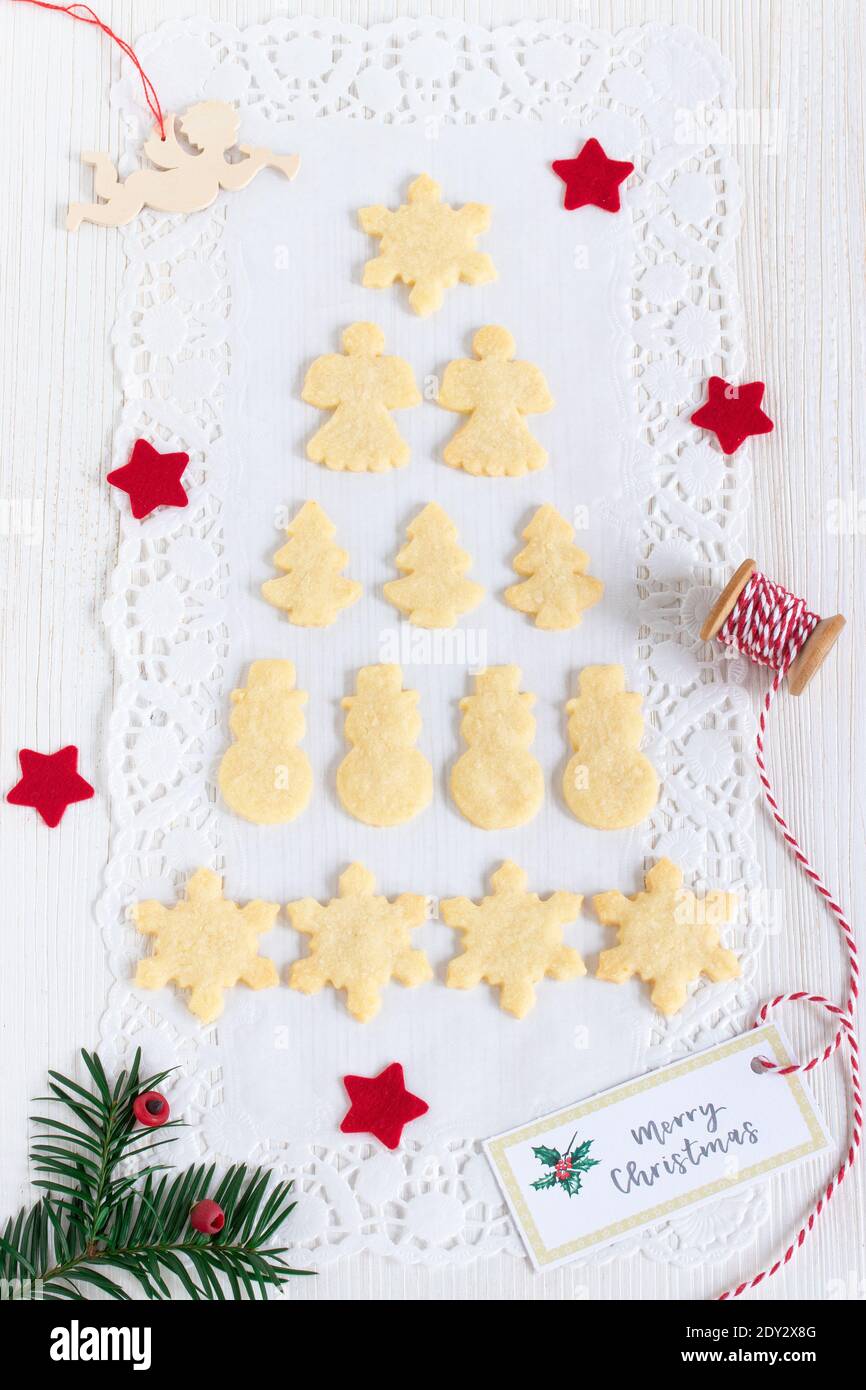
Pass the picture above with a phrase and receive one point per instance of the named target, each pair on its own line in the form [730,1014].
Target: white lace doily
[668,520]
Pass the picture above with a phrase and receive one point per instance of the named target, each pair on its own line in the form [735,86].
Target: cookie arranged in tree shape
[608,783]
[497,783]
[359,943]
[666,936]
[512,939]
[434,592]
[312,592]
[206,944]
[558,589]
[361,387]
[384,780]
[497,394]
[263,776]
[427,244]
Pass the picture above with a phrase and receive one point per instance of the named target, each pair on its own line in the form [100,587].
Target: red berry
[207,1217]
[151,1109]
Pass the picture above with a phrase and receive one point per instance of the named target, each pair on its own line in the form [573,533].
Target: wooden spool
[814,652]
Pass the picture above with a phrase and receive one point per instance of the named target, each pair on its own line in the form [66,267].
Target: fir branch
[92,1224]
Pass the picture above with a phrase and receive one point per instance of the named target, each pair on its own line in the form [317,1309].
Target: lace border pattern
[656,90]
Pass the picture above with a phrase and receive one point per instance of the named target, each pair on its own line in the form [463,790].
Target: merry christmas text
[712,1142]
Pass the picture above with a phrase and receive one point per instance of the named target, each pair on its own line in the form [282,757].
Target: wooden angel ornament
[183,180]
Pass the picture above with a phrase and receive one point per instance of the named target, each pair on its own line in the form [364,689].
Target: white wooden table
[801,266]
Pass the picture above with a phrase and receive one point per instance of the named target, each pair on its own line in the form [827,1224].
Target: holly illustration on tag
[184,179]
[565,1170]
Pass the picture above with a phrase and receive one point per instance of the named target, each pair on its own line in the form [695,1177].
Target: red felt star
[50,783]
[733,413]
[151,479]
[381,1105]
[592,178]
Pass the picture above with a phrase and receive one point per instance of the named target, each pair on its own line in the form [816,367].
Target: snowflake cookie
[312,591]
[205,944]
[359,942]
[557,589]
[427,244]
[666,936]
[361,387]
[512,939]
[496,393]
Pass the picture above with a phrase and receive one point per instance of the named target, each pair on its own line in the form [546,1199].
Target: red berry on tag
[151,1109]
[207,1217]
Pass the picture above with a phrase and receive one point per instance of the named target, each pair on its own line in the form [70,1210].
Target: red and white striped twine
[771,626]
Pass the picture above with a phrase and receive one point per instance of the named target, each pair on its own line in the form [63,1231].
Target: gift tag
[657,1147]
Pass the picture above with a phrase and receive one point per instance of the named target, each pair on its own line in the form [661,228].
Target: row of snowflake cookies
[362,387]
[434,592]
[384,780]
[512,939]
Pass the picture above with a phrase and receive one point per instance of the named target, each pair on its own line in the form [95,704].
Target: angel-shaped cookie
[497,394]
[361,387]
[182,181]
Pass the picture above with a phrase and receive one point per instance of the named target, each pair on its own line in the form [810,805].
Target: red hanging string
[771,625]
[86,15]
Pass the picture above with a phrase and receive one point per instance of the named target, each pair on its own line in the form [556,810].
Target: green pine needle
[93,1223]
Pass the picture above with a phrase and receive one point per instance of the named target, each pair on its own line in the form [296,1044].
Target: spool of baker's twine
[775,628]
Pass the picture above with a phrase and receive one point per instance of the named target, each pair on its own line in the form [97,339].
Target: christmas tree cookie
[263,776]
[666,936]
[434,592]
[497,394]
[359,943]
[361,387]
[608,783]
[384,780]
[427,244]
[558,589]
[312,592]
[497,783]
[205,944]
[512,939]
